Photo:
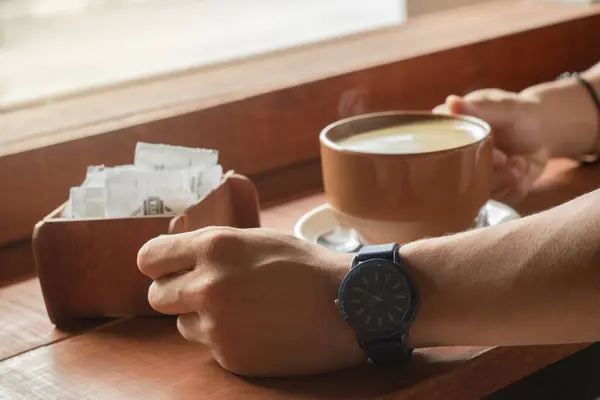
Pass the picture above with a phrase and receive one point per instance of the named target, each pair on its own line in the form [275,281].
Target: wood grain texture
[575,377]
[562,181]
[264,127]
[16,261]
[488,372]
[289,183]
[146,358]
[24,324]
[87,268]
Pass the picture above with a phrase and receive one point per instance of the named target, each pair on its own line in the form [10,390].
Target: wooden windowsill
[264,113]
[74,117]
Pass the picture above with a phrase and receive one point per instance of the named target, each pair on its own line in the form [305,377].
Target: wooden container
[88,267]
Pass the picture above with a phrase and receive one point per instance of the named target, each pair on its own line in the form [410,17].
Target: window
[262,112]
[51,48]
[54,47]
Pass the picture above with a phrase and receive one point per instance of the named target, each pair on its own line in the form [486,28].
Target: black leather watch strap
[383,251]
[392,351]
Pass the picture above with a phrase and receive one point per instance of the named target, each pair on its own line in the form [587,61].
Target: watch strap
[387,351]
[382,251]
[393,350]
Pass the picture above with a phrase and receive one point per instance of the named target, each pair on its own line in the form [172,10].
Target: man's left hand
[261,301]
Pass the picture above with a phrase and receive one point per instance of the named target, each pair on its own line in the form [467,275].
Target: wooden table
[145,358]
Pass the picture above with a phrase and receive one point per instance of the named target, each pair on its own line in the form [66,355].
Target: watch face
[375,297]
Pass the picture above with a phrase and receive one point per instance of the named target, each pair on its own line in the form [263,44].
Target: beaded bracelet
[593,158]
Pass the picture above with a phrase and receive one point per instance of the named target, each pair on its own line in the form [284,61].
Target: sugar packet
[164,180]
[199,165]
[136,193]
[163,156]
[86,202]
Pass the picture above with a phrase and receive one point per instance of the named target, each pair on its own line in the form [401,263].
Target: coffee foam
[416,137]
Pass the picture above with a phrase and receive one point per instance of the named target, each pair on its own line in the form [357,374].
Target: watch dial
[375,298]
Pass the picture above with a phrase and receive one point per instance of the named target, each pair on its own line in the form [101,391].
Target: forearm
[531,281]
[569,116]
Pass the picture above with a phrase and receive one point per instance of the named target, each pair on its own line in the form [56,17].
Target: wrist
[567,117]
[589,79]
[340,266]
[424,260]
[455,275]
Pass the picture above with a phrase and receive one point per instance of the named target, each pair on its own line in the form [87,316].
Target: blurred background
[56,47]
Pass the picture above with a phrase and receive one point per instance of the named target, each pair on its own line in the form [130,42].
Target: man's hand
[261,301]
[520,153]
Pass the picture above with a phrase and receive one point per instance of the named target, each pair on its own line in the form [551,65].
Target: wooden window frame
[264,113]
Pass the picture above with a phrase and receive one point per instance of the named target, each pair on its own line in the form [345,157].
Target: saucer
[319,226]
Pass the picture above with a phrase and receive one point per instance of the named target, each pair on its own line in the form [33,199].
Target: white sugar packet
[135,193]
[207,180]
[199,166]
[163,156]
[203,179]
[164,180]
[96,174]
[86,202]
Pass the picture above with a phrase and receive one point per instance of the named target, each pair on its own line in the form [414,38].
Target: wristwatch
[379,299]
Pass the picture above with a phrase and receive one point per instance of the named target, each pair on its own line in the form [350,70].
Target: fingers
[495,106]
[185,266]
[505,180]
[499,159]
[510,183]
[171,254]
[441,109]
[190,327]
[505,112]
[167,255]
[454,104]
[450,106]
[179,294]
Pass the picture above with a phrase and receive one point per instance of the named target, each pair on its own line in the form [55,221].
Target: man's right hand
[520,154]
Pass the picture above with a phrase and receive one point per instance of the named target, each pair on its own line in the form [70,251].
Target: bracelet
[591,91]
[590,159]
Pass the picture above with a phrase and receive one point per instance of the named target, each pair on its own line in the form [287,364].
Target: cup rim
[325,140]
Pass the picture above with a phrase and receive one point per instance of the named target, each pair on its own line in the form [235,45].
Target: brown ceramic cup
[406,197]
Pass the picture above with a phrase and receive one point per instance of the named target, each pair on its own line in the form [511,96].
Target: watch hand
[369,294]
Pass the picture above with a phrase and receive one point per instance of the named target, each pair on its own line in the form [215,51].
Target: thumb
[494,106]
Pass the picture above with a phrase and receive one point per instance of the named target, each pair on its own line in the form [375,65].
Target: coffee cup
[402,176]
